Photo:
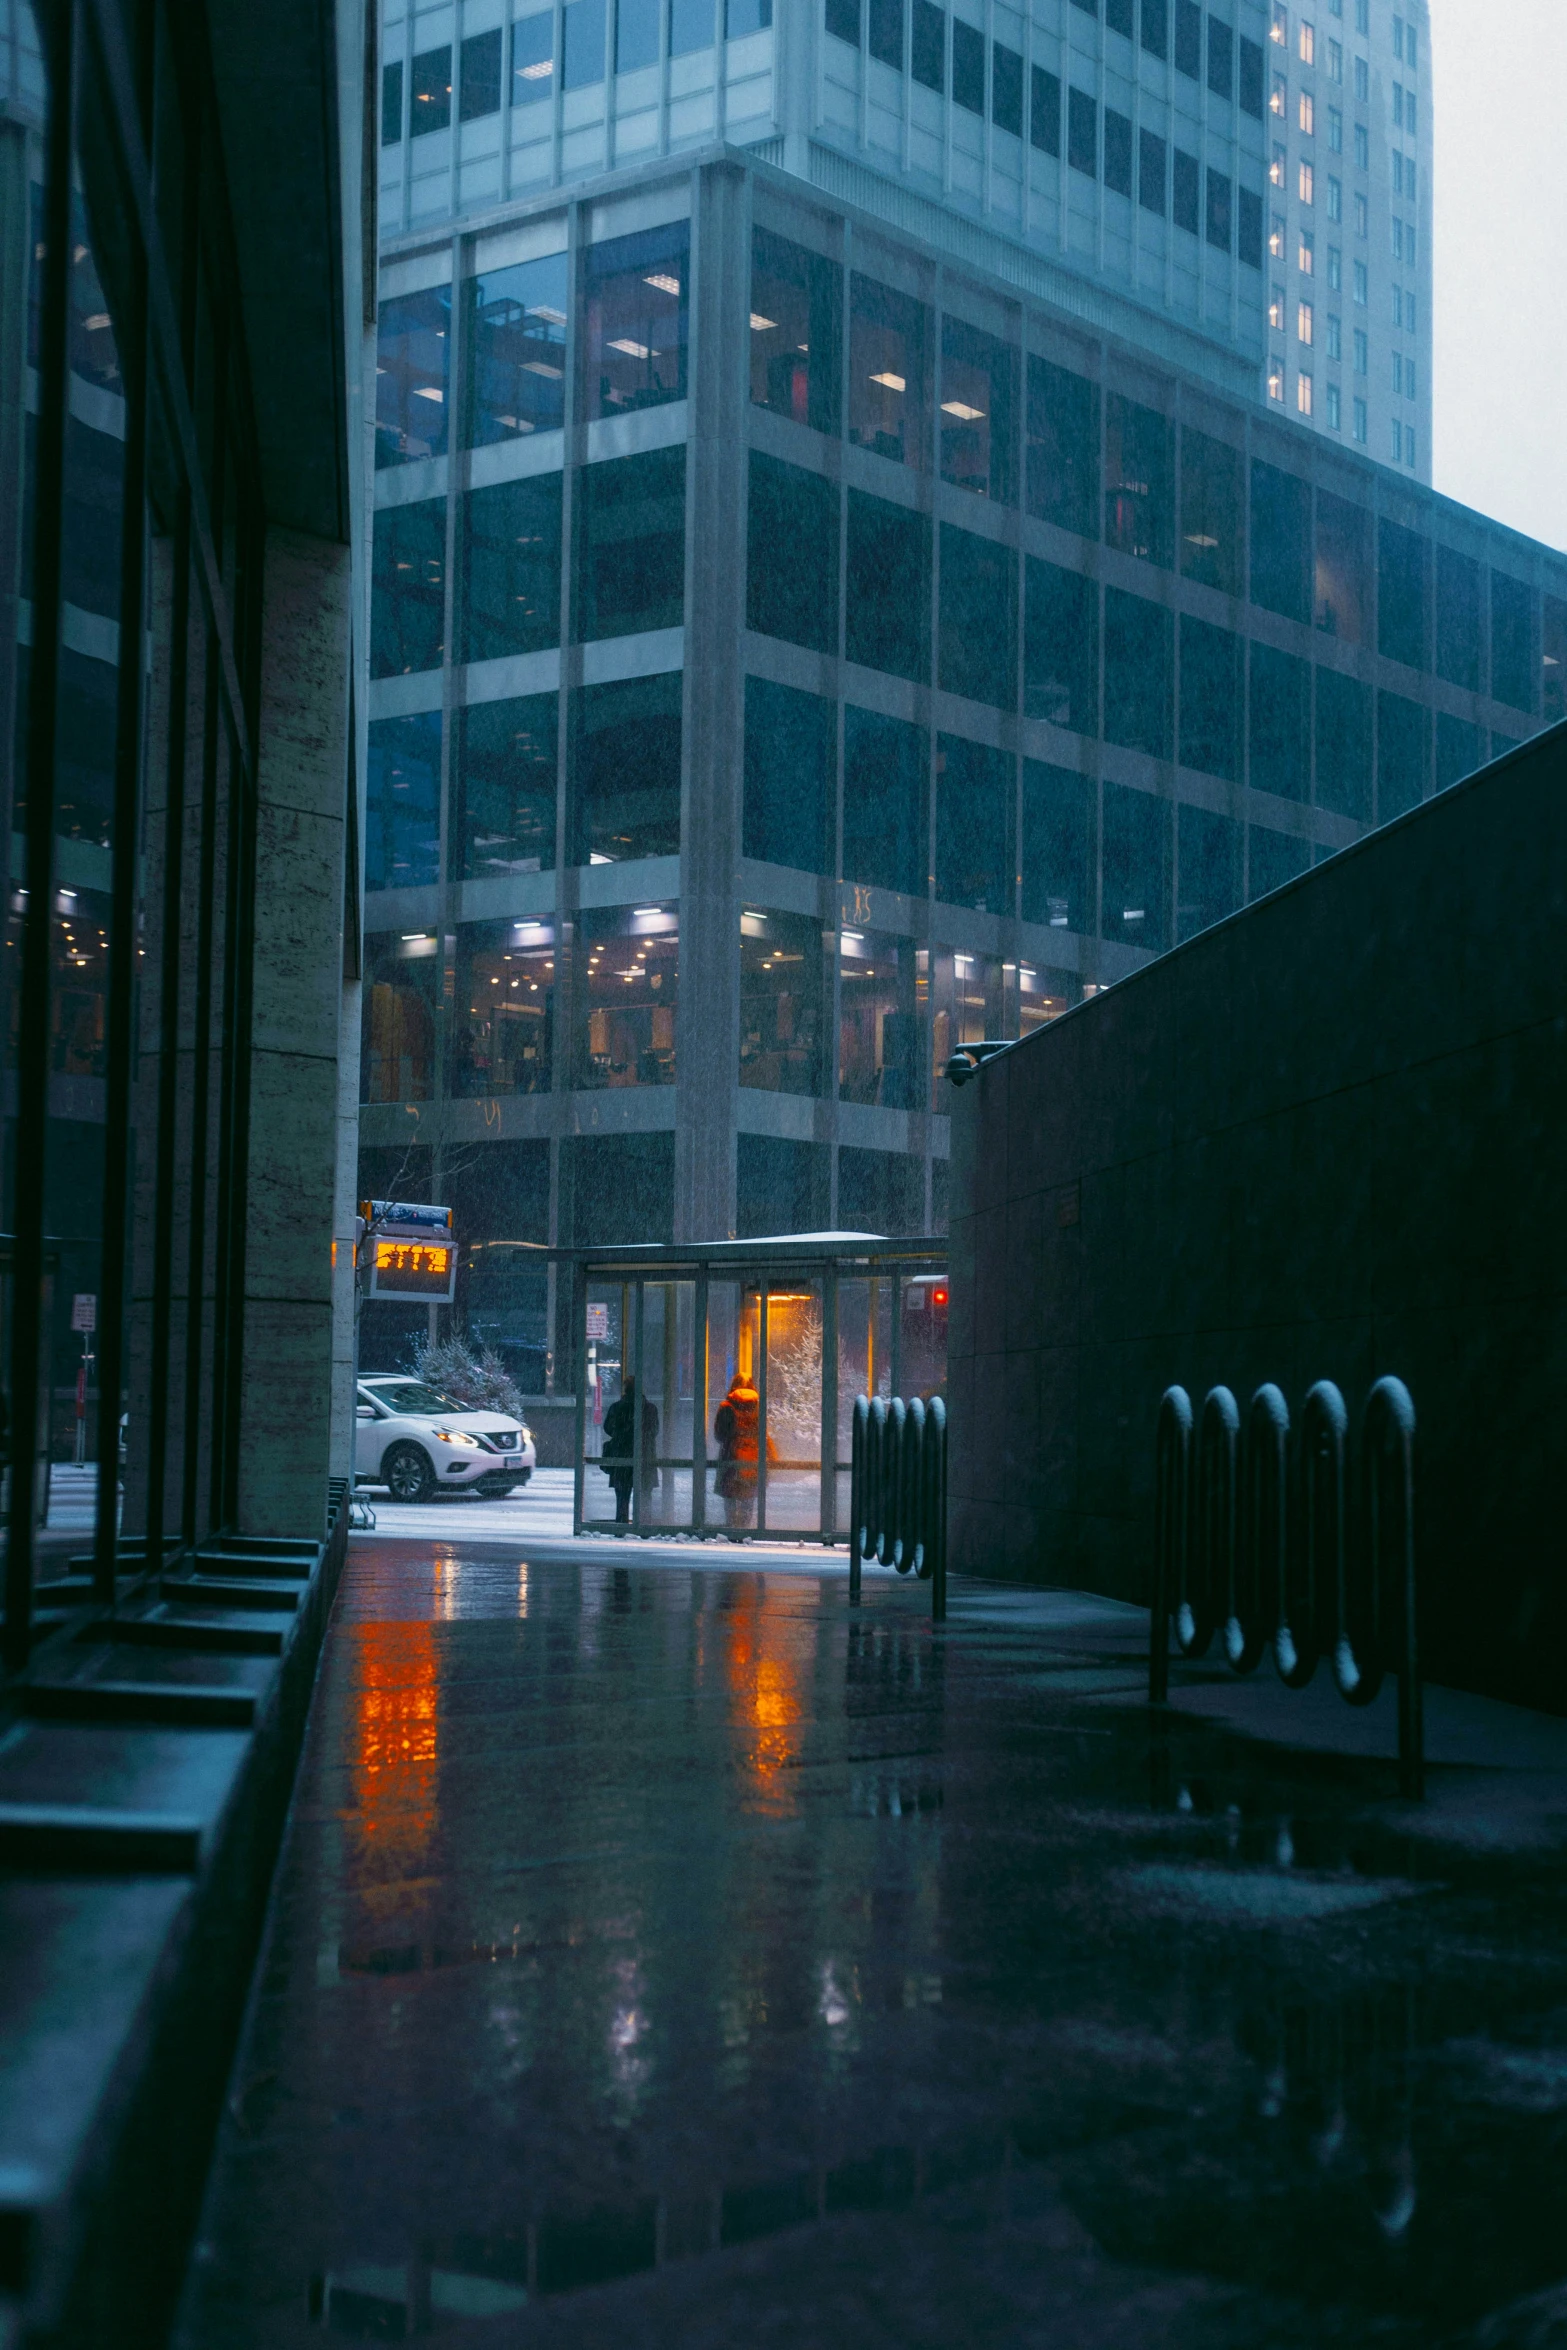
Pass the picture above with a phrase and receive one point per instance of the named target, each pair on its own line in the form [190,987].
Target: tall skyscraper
[843,586]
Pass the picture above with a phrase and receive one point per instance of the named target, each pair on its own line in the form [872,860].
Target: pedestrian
[620,1443]
[736,1426]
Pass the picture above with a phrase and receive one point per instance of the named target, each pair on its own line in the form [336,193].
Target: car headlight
[458,1436]
[526,1434]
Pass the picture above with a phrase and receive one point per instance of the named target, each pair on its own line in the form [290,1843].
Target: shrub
[474,1375]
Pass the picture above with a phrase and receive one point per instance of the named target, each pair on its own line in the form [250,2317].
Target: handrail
[898,1492]
[1262,1540]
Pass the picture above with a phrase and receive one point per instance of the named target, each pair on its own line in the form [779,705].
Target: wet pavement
[660,1955]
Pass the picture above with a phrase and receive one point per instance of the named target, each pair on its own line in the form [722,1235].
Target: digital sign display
[413,1268]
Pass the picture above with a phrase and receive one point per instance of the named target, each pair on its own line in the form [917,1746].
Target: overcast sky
[1499,69]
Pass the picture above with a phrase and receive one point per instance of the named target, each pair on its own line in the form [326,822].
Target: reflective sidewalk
[661,1956]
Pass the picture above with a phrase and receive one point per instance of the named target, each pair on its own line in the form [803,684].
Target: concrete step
[227,1591]
[203,1705]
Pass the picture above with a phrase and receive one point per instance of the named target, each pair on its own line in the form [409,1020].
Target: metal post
[859,1429]
[701,1356]
[639,1399]
[761,1405]
[578,1365]
[936,1443]
[1172,1459]
[829,1455]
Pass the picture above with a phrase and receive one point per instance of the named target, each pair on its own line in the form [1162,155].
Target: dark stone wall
[1325,1139]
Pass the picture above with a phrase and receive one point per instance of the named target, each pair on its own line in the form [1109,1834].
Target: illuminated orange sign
[413,1268]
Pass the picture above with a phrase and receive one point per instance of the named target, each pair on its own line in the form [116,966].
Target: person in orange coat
[735,1425]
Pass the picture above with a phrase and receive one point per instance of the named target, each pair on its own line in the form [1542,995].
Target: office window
[1403,567]
[1118,152]
[637,291]
[1061,427]
[1335,337]
[1409,312]
[929,52]
[1276,308]
[1409,444]
[582,44]
[1278,168]
[505,787]
[974,816]
[1279,728]
[1138,663]
[431,87]
[1208,852]
[1060,848]
[1082,141]
[977,649]
[1398,37]
[1210,511]
[1152,171]
[884,35]
[1360,420]
[1343,569]
[1411,38]
[1137,843]
[1060,646]
[880,1191]
[516,350]
[630,557]
[1307,184]
[743,17]
[1155,27]
[978,411]
[1335,269]
[392,103]
[1409,113]
[1275,379]
[1308,114]
[1398,380]
[1248,227]
[1335,61]
[1305,323]
[691,24]
[1118,16]
[781,1025]
[1335,131]
[792,554]
[412,370]
[1362,92]
[1362,351]
[397,1049]
[509,569]
[889,339]
[1251,75]
[503,1011]
[796,330]
[1279,25]
[408,581]
[626,984]
[624,770]
[479,76]
[1398,106]
[1335,407]
[1362,148]
[1460,749]
[968,67]
[1276,236]
[1139,480]
[1553,658]
[791,756]
[1274,859]
[779,1186]
[881,1043]
[1006,89]
[533,58]
[1458,618]
[1184,191]
[1335,199]
[885,801]
[1307,254]
[1343,725]
[1188,41]
[887,592]
[1210,698]
[1044,112]
[1303,394]
[636,34]
[1278,96]
[1360,283]
[403,803]
[1220,222]
[1308,44]
[1280,541]
[1512,641]
[843,21]
[1403,755]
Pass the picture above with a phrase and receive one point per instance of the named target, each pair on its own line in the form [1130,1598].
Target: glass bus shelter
[716,1383]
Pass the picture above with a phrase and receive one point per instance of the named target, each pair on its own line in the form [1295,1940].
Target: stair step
[173,1702]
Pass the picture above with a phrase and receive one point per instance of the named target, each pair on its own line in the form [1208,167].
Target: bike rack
[898,1492]
[1265,1545]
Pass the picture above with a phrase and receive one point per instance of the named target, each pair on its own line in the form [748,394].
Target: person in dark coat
[616,1460]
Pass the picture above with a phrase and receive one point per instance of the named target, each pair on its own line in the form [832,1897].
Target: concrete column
[291,1354]
[707,1060]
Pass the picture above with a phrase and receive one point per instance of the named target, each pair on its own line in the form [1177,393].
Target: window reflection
[880,1047]
[637,295]
[397,1062]
[510,568]
[506,786]
[1210,512]
[889,338]
[503,1030]
[517,350]
[780,1002]
[79,941]
[1034,997]
[625,770]
[408,582]
[1139,480]
[1342,569]
[967,1001]
[629,963]
[403,802]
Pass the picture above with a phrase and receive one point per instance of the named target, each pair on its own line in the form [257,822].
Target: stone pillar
[292,1385]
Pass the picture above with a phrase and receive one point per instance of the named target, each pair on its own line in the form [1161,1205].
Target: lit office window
[1304,323]
[1303,394]
[1278,167]
[781,1002]
[1275,379]
[796,326]
[1308,114]
[505,787]
[431,87]
[503,1017]
[533,58]
[626,982]
[412,376]
[517,350]
[397,1030]
[1279,25]
[1278,97]
[1276,236]
[1308,44]
[1276,309]
[978,410]
[636,313]
[889,344]
[1307,185]
[1308,253]
[881,1044]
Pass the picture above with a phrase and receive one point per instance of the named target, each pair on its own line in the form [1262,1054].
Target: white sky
[1499,383]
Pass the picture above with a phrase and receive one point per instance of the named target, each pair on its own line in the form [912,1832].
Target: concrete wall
[1326,1139]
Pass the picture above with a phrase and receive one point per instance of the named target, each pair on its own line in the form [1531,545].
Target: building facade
[799,648]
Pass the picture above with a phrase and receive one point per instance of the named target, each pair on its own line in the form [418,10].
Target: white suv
[415,1441]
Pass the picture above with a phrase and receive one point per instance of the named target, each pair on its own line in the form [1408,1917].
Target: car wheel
[408,1473]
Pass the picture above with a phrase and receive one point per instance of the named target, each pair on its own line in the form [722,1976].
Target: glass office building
[814,629]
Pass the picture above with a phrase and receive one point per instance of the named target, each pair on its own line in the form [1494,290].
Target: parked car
[416,1441]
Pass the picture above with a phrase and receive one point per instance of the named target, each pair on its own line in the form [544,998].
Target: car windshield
[411,1395]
